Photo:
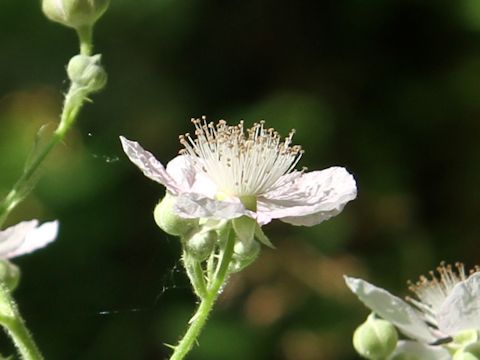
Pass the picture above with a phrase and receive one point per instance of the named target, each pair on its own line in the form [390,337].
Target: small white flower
[445,305]
[225,172]
[26,237]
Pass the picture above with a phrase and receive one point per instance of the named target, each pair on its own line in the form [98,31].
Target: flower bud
[201,244]
[169,221]
[244,254]
[87,71]
[75,13]
[9,274]
[469,352]
[375,338]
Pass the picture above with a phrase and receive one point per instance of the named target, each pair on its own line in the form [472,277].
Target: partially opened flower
[225,172]
[445,305]
[26,237]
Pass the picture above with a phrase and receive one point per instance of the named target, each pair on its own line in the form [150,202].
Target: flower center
[431,293]
[241,162]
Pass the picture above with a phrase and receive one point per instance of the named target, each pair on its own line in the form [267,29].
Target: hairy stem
[206,304]
[14,325]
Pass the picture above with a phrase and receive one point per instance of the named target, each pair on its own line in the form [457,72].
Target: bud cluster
[201,238]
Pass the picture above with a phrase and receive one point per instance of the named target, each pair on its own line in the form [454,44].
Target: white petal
[151,167]
[308,199]
[391,308]
[26,237]
[420,351]
[188,178]
[192,205]
[461,309]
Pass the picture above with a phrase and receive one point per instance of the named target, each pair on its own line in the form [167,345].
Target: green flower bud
[469,352]
[375,339]
[87,71]
[201,244]
[244,254]
[169,221]
[75,13]
[466,337]
[9,274]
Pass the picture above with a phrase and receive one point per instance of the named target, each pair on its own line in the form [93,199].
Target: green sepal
[260,236]
[244,228]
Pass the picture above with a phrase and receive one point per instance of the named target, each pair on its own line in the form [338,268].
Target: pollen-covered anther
[242,161]
[431,292]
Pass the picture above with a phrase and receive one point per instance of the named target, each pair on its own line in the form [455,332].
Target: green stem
[74,100]
[11,319]
[201,315]
[85,35]
[195,273]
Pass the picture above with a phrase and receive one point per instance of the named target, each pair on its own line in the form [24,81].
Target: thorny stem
[206,304]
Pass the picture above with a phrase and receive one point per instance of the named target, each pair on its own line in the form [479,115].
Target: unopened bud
[469,352]
[76,14]
[375,339]
[169,221]
[244,254]
[87,71]
[9,274]
[201,244]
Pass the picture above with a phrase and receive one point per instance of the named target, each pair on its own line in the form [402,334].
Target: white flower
[225,172]
[446,304]
[26,237]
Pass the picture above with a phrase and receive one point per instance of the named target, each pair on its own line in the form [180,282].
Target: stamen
[432,292]
[241,161]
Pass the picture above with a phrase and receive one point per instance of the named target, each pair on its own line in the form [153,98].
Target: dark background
[388,89]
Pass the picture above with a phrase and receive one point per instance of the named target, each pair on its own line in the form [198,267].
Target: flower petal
[308,198]
[461,309]
[191,206]
[151,167]
[26,237]
[419,351]
[188,178]
[391,308]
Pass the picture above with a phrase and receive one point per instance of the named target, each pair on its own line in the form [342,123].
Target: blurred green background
[388,89]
